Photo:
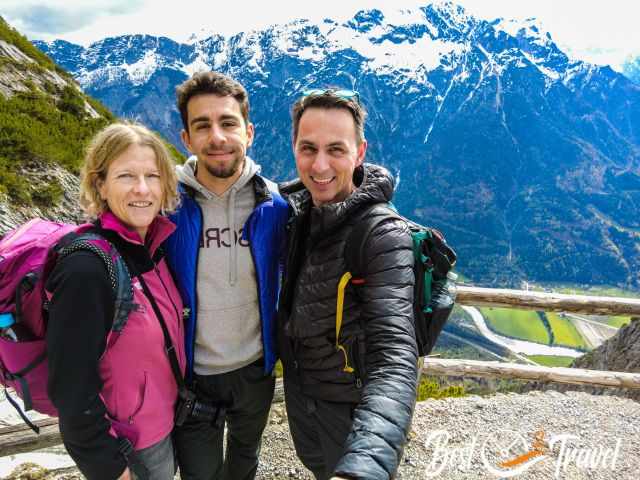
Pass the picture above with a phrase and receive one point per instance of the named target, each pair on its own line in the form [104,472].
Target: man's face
[217,135]
[327,153]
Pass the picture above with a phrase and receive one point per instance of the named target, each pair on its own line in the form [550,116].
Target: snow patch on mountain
[198,65]
[140,71]
[411,57]
[539,63]
[404,17]
[305,45]
[531,29]
[104,76]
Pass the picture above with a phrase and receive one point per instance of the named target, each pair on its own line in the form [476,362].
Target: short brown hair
[329,100]
[109,144]
[211,82]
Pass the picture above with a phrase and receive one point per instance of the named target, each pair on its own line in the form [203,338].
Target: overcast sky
[599,31]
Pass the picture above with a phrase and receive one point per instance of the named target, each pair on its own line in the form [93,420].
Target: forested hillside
[45,124]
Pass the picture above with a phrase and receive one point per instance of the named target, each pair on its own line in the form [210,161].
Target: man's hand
[126,475]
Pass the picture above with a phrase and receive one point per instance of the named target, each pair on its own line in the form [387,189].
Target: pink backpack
[27,256]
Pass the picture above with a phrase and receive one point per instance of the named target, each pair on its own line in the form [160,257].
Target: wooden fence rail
[575,376]
[547,301]
[20,439]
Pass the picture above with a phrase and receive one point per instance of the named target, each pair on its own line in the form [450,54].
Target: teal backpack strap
[433,259]
[425,270]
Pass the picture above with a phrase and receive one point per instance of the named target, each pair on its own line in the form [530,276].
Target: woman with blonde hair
[111,379]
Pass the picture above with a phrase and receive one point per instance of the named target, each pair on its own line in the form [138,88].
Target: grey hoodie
[228,332]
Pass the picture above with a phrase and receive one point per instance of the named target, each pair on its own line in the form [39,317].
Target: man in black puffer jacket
[349,399]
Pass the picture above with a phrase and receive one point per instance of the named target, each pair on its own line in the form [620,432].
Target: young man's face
[217,135]
[327,153]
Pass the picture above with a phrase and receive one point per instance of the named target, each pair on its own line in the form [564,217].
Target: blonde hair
[109,144]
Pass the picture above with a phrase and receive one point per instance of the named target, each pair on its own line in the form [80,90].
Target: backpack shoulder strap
[117,270]
[354,259]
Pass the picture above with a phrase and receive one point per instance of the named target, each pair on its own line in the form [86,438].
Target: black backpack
[434,295]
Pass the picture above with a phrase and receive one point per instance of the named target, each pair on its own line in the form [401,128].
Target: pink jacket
[139,388]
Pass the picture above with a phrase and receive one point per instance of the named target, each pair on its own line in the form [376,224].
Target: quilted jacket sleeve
[382,419]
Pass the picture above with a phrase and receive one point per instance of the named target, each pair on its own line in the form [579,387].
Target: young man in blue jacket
[225,255]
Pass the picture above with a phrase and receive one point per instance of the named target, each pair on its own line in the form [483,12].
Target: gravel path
[477,434]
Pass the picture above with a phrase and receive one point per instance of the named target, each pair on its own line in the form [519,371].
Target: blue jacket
[265,230]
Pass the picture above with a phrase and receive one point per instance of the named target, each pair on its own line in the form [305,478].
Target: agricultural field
[617,322]
[520,324]
[551,361]
[564,332]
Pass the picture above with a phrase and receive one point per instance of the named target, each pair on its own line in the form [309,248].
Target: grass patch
[430,388]
[551,361]
[597,291]
[520,324]
[564,332]
[277,369]
[617,322]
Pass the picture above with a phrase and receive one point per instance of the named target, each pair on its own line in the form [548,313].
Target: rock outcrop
[620,353]
[65,210]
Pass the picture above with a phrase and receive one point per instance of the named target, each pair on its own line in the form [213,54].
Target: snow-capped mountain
[528,160]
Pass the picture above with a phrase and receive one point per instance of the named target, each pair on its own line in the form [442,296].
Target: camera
[184,407]
[189,406]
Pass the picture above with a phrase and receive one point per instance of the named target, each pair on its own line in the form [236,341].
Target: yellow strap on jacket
[342,284]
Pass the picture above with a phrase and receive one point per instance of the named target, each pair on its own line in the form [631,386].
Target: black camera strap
[168,345]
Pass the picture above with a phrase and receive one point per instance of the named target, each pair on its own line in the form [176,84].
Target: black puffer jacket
[377,332]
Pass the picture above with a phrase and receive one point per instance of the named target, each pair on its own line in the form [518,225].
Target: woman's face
[133,188]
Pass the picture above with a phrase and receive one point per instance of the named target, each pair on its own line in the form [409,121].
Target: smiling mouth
[219,153]
[140,204]
[323,181]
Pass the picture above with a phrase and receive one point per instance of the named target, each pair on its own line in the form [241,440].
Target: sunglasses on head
[344,94]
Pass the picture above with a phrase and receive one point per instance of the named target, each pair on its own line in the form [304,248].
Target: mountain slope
[621,353]
[529,161]
[45,121]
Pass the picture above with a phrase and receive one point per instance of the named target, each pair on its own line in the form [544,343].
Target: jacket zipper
[355,351]
[195,280]
[175,309]
[253,259]
[194,310]
[293,228]
[166,290]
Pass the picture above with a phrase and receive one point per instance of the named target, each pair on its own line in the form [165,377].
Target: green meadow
[617,322]
[564,332]
[520,324]
[551,361]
